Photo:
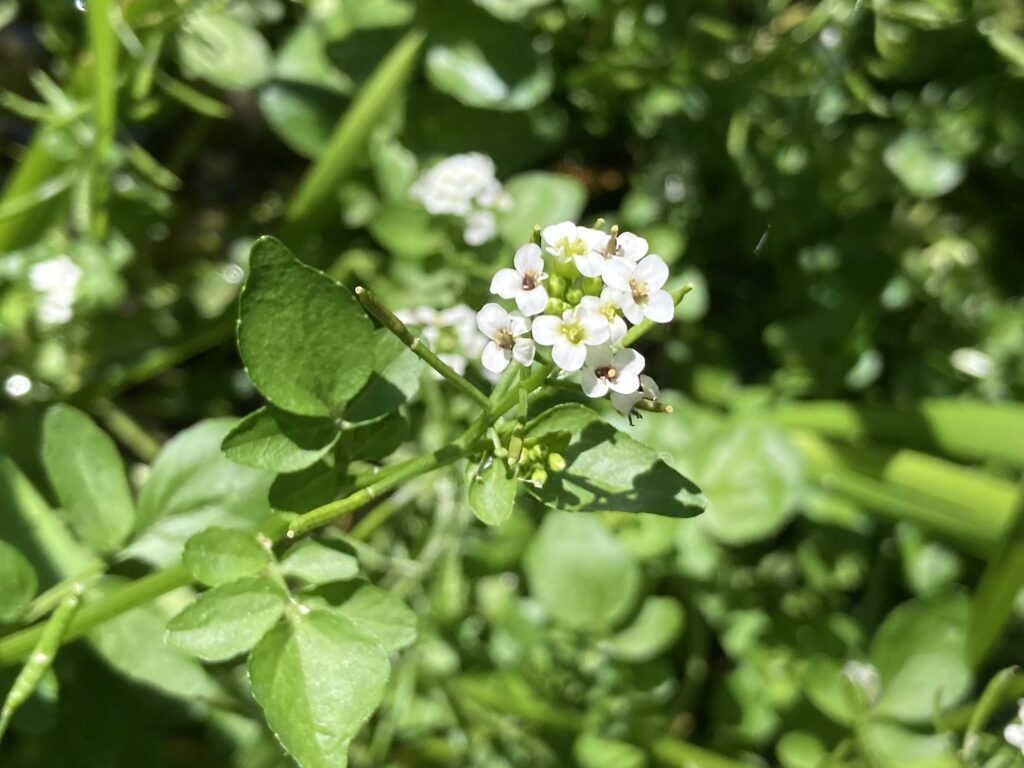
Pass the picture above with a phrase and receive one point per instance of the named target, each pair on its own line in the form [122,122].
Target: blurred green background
[843,184]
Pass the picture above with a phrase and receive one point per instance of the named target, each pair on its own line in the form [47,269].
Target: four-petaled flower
[524,282]
[567,242]
[606,370]
[607,304]
[570,335]
[625,246]
[640,290]
[504,330]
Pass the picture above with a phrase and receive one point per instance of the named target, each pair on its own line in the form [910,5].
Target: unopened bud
[556,462]
[573,296]
[539,477]
[535,237]
[593,286]
[555,307]
[556,286]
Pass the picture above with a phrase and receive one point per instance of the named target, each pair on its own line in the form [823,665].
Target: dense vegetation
[805,550]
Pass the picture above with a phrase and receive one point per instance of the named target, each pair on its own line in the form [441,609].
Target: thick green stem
[387,318]
[103,44]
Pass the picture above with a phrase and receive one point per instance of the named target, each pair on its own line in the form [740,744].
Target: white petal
[624,403]
[595,239]
[633,248]
[1014,735]
[660,307]
[456,362]
[617,274]
[650,389]
[595,327]
[523,352]
[490,319]
[616,329]
[532,302]
[631,309]
[626,383]
[494,358]
[629,361]
[590,264]
[518,324]
[592,385]
[590,304]
[652,271]
[599,356]
[568,356]
[611,296]
[506,283]
[553,235]
[529,259]
[547,330]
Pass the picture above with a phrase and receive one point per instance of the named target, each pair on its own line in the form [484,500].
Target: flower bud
[573,296]
[556,462]
[555,307]
[593,286]
[539,477]
[556,286]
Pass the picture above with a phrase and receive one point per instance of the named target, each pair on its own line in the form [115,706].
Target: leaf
[219,555]
[893,746]
[539,199]
[608,470]
[193,486]
[921,656]
[580,572]
[655,629]
[921,167]
[303,337]
[395,379]
[492,492]
[229,619]
[375,611]
[88,476]
[269,438]
[592,751]
[376,440]
[318,564]
[318,679]
[223,51]
[305,490]
[17,582]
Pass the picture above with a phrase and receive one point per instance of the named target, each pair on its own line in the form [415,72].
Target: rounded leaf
[219,555]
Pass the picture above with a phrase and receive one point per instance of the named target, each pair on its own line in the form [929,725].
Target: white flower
[57,280]
[624,403]
[480,228]
[607,305]
[606,370]
[455,183]
[1014,735]
[570,335]
[640,288]
[504,329]
[566,241]
[625,246]
[524,282]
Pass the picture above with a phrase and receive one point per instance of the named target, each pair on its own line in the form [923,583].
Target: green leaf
[893,746]
[193,486]
[608,470]
[580,572]
[376,440]
[539,199]
[373,610]
[219,555]
[229,619]
[269,438]
[318,564]
[88,475]
[510,10]
[592,751]
[395,379]
[223,51]
[921,656]
[305,490]
[17,582]
[921,167]
[800,749]
[407,231]
[655,629]
[303,337]
[492,492]
[318,679]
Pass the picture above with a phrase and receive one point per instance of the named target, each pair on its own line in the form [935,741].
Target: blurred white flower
[17,385]
[567,241]
[524,283]
[464,186]
[450,333]
[570,335]
[481,227]
[607,370]
[971,361]
[504,329]
[56,280]
[608,304]
[640,288]
[625,402]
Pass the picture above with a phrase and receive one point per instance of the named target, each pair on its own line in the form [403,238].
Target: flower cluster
[464,186]
[577,296]
[56,280]
[450,333]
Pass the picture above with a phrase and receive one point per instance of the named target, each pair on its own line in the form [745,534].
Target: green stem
[104,46]
[387,318]
[52,597]
[127,430]
[674,753]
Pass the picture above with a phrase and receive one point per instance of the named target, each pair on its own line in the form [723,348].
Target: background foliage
[841,181]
